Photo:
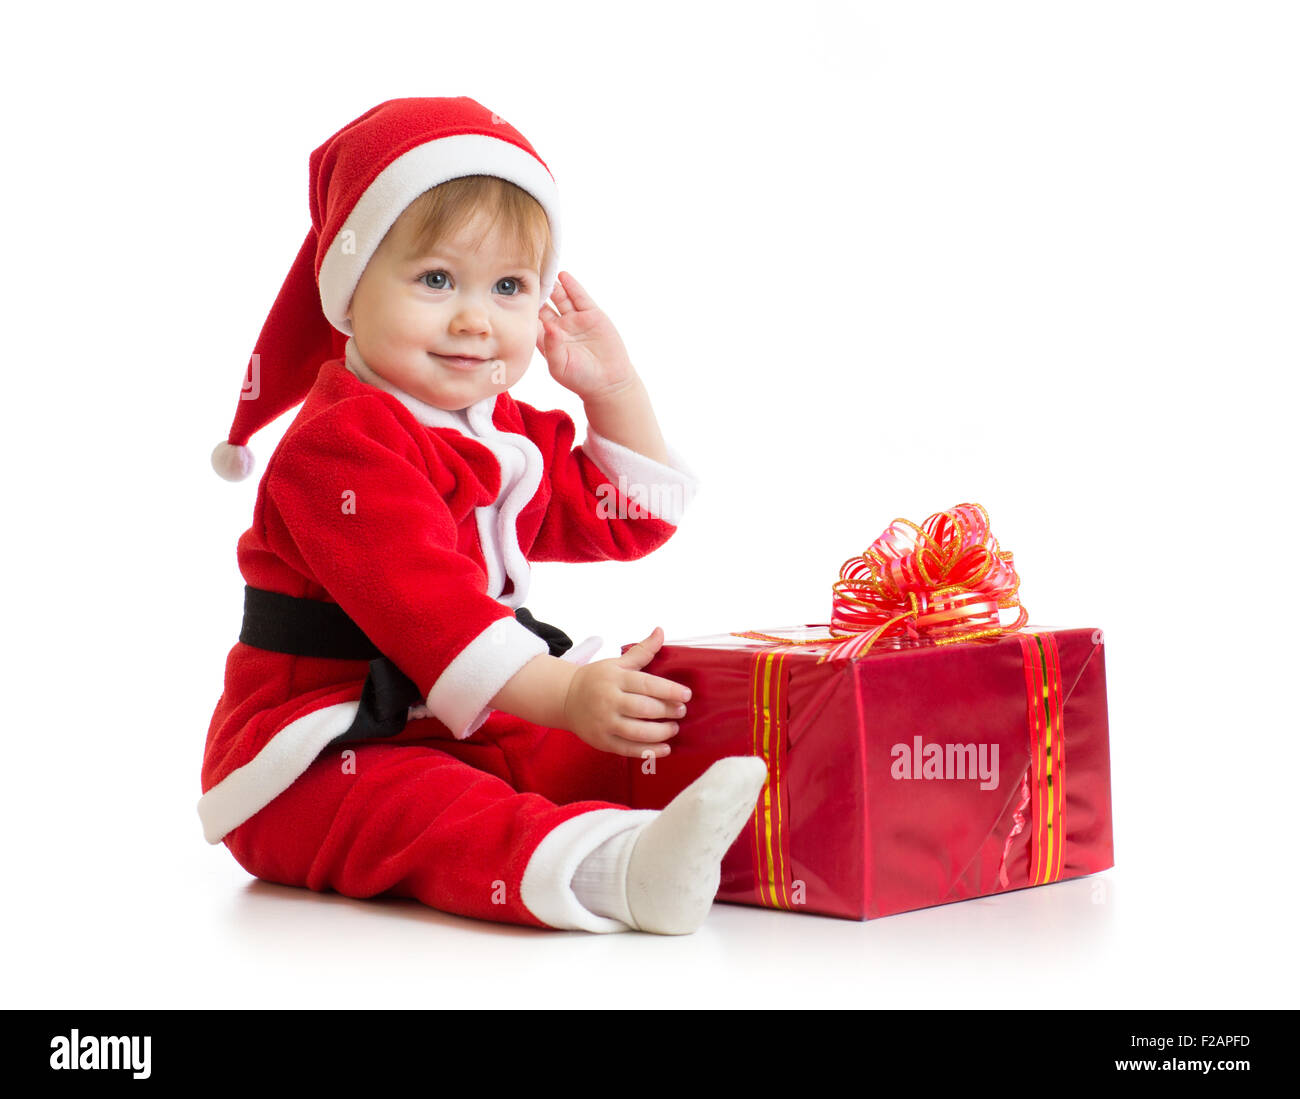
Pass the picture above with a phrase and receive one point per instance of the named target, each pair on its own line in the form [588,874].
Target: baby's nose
[470,319]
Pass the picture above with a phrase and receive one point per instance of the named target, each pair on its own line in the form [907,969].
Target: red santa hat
[361,180]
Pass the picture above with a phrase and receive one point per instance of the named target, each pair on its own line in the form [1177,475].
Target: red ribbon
[943,582]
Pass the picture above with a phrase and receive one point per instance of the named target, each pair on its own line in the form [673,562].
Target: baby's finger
[646,732]
[575,292]
[634,749]
[656,686]
[644,706]
[561,298]
[545,332]
[639,654]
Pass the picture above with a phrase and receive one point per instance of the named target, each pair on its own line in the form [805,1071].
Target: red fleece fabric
[452,827]
[407,566]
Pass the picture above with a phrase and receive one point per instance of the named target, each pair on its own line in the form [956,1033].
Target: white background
[872,260]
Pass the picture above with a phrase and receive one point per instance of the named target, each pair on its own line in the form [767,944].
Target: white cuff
[462,697]
[584,650]
[660,490]
[272,771]
[547,885]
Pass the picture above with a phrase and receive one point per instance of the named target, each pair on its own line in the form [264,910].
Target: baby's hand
[583,349]
[613,706]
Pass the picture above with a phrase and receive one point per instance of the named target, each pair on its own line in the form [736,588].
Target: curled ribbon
[943,582]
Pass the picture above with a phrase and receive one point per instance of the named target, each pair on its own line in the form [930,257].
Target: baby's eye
[434,275]
[514,286]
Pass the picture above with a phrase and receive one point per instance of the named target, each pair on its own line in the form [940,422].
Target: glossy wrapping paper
[849,824]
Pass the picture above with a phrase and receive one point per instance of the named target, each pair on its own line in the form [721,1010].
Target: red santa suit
[419,523]
[387,555]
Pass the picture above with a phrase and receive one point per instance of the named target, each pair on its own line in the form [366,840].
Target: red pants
[451,823]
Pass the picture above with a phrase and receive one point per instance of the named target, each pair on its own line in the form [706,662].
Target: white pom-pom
[234,463]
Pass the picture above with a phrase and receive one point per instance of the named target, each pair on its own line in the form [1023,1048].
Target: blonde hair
[446,208]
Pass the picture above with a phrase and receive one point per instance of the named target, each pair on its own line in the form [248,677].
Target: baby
[394,721]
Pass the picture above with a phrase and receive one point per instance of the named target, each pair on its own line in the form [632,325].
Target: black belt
[307,627]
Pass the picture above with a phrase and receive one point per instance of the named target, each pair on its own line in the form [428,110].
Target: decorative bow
[943,582]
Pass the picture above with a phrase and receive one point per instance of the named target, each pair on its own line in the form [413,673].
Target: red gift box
[914,775]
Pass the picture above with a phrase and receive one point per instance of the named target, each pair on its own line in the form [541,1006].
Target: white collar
[476,419]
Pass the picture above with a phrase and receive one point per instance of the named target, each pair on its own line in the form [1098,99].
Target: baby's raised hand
[614,706]
[583,349]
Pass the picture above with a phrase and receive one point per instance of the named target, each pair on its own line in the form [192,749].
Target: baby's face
[413,316]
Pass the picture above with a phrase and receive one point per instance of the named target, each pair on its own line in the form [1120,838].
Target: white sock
[661,876]
[600,882]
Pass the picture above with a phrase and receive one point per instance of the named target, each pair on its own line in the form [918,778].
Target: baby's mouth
[460,362]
